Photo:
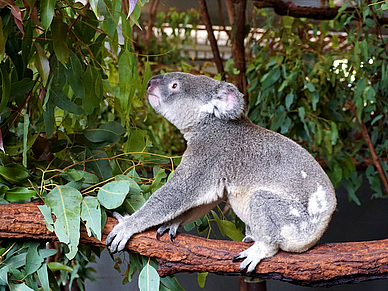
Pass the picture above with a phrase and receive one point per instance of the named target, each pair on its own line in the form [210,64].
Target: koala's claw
[248,239]
[236,258]
[171,228]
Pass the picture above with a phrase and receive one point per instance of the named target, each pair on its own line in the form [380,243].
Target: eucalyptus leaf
[4,275]
[59,31]
[19,193]
[149,279]
[47,12]
[33,260]
[46,211]
[41,61]
[62,101]
[112,194]
[19,287]
[56,266]
[43,277]
[91,214]
[65,204]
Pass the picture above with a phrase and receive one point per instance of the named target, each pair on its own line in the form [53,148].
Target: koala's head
[185,99]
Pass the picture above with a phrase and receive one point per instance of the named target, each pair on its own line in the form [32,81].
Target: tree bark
[211,38]
[319,13]
[238,48]
[323,265]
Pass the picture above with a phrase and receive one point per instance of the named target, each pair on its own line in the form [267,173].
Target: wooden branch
[324,265]
[211,38]
[238,48]
[287,8]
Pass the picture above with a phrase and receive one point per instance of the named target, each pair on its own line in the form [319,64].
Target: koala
[273,185]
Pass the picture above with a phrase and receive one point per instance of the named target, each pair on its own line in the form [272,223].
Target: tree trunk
[323,265]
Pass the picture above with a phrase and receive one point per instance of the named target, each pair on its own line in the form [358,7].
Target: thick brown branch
[211,37]
[324,265]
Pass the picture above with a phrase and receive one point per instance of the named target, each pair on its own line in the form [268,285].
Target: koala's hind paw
[254,255]
[119,236]
[172,230]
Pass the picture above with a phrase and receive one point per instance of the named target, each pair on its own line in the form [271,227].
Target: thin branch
[375,158]
[238,48]
[211,37]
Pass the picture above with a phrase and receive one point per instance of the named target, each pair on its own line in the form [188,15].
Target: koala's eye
[174,85]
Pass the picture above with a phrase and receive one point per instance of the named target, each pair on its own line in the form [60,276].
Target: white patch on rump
[304,175]
[294,211]
[317,202]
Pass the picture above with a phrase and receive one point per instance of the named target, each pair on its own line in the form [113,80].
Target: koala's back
[252,158]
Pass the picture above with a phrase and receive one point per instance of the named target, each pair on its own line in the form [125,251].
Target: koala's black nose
[154,81]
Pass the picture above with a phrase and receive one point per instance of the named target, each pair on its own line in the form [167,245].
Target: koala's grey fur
[275,186]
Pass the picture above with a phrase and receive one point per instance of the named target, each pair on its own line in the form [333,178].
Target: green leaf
[334,133]
[126,82]
[99,163]
[46,211]
[202,279]
[364,49]
[59,31]
[156,183]
[230,229]
[55,266]
[19,287]
[4,275]
[301,113]
[49,118]
[33,260]
[41,62]
[5,87]
[149,279]
[172,283]
[14,173]
[65,204]
[17,261]
[133,203]
[45,253]
[26,124]
[136,142]
[74,76]
[47,12]
[110,132]
[2,41]
[91,100]
[369,94]
[270,78]
[377,118]
[43,277]
[19,193]
[289,100]
[134,188]
[91,214]
[62,101]
[112,194]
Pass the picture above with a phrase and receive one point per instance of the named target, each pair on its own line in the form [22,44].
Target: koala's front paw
[172,228]
[119,236]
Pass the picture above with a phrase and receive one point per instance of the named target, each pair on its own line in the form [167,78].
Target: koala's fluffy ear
[226,103]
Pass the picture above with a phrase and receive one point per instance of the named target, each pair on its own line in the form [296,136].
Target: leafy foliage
[309,89]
